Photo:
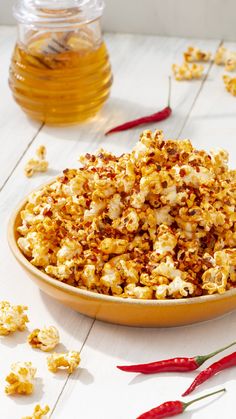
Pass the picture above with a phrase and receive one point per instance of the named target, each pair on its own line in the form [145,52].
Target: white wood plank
[16,129]
[139,64]
[100,390]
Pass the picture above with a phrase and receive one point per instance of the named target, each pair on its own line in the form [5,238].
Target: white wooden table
[204,112]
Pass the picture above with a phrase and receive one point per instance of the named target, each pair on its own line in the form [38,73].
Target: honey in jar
[60,72]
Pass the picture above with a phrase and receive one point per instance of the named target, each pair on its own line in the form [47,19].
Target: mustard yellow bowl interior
[130,312]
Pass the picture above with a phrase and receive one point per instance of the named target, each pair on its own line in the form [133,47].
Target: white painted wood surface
[203,111]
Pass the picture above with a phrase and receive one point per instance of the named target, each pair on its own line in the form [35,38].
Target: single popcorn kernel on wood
[230,84]
[12,318]
[194,54]
[226,57]
[39,412]
[20,379]
[69,360]
[41,152]
[38,164]
[45,339]
[187,71]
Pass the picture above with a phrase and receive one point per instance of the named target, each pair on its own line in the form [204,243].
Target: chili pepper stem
[185,405]
[200,359]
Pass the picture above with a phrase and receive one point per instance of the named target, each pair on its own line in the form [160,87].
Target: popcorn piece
[39,413]
[34,165]
[41,152]
[116,246]
[165,242]
[226,57]
[230,84]
[187,71]
[12,318]
[69,360]
[20,380]
[194,54]
[215,280]
[38,164]
[143,293]
[45,339]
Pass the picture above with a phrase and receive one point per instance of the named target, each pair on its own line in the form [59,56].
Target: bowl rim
[20,257]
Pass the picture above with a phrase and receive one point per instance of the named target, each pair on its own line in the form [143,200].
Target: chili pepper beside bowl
[180,364]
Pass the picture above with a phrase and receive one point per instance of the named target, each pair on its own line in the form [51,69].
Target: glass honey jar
[60,72]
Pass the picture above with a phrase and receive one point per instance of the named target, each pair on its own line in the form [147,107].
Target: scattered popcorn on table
[226,57]
[12,318]
[20,380]
[39,413]
[69,360]
[45,339]
[187,71]
[38,164]
[194,54]
[150,224]
[230,84]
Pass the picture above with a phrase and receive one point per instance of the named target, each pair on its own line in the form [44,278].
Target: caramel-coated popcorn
[226,57]
[39,412]
[20,380]
[150,224]
[12,318]
[230,84]
[45,339]
[38,164]
[187,71]
[194,54]
[69,360]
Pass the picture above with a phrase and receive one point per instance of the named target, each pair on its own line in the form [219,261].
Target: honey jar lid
[51,12]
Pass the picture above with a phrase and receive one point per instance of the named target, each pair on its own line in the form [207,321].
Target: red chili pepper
[155,117]
[172,408]
[173,364]
[224,363]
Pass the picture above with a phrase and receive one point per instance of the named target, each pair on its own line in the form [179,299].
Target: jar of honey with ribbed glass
[60,72]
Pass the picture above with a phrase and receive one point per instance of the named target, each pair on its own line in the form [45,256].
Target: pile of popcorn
[21,379]
[155,223]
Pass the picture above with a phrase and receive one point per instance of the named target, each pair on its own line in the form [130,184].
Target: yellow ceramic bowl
[145,313]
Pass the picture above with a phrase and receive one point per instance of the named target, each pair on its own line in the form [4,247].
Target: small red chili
[155,117]
[172,408]
[224,363]
[172,365]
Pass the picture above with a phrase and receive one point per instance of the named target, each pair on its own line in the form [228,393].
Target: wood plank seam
[68,376]
[21,157]
[198,94]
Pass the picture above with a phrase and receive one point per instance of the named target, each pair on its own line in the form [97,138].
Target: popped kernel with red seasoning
[45,339]
[38,413]
[155,223]
[21,379]
[12,318]
[194,54]
[187,71]
[69,361]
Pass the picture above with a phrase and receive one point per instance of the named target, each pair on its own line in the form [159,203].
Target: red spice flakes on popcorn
[158,228]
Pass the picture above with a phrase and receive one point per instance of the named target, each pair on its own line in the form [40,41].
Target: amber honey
[60,81]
